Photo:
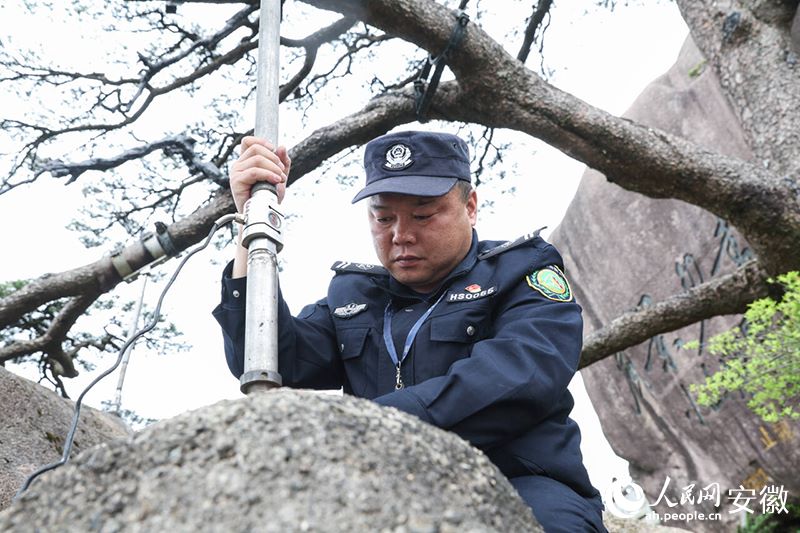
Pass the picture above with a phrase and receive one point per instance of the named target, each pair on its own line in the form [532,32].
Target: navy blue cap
[419,163]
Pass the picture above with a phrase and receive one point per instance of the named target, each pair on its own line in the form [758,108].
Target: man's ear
[472,207]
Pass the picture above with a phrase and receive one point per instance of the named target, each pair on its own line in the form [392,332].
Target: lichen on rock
[285,460]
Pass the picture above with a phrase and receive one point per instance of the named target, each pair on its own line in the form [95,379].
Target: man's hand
[259,161]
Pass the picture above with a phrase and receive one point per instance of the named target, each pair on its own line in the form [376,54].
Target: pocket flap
[453,328]
[351,342]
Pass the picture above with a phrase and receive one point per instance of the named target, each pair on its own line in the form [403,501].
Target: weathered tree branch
[320,37]
[726,295]
[377,117]
[100,276]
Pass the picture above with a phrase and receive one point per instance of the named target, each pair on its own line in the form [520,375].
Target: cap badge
[398,157]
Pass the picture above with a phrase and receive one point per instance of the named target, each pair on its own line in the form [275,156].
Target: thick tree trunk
[749,47]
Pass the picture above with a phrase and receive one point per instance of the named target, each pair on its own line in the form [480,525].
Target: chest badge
[350,310]
[551,283]
[471,292]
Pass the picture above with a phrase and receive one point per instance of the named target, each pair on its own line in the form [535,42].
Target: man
[478,338]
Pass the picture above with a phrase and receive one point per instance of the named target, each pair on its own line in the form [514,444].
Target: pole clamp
[263,220]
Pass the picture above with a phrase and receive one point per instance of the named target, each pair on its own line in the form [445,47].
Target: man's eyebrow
[422,200]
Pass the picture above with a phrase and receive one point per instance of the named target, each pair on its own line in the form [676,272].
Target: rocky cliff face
[623,249]
[33,425]
[280,461]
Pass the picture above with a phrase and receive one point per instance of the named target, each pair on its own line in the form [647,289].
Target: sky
[602,57]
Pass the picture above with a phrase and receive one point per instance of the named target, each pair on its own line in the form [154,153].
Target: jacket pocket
[455,327]
[351,350]
[351,342]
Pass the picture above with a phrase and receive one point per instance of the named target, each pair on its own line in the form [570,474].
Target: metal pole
[123,367]
[263,229]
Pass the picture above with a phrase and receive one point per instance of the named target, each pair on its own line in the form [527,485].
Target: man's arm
[307,353]
[511,381]
[307,344]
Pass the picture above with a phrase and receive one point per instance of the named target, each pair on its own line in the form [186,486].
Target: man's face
[420,240]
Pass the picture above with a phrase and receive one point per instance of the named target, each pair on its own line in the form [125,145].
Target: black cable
[152,324]
[424,89]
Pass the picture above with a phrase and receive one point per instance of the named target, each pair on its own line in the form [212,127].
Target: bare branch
[210,43]
[487,135]
[354,43]
[378,117]
[400,84]
[726,295]
[541,9]
[176,144]
[144,89]
[311,45]
[51,341]
[229,58]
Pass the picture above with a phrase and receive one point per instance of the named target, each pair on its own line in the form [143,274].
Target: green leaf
[763,359]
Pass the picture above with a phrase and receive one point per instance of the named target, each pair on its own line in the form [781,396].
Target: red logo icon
[473,288]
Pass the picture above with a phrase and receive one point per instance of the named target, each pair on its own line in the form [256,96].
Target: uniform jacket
[491,362]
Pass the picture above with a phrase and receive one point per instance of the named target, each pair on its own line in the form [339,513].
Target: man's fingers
[260,153]
[252,175]
[283,154]
[249,141]
[259,156]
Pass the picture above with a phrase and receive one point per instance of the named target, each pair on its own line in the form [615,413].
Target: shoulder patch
[362,268]
[551,283]
[510,244]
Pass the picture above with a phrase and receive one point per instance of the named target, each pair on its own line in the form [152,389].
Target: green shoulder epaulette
[510,244]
